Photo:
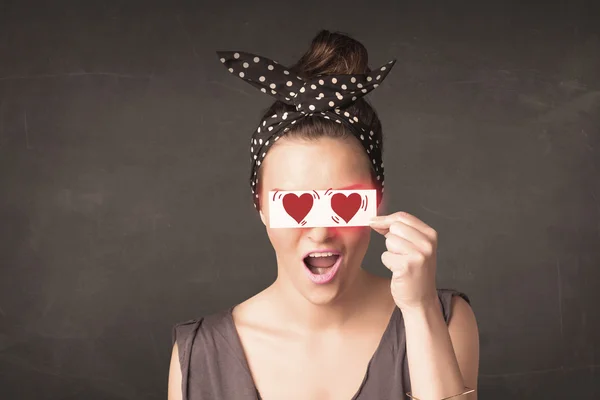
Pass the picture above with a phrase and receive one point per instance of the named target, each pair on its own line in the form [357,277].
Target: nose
[321,234]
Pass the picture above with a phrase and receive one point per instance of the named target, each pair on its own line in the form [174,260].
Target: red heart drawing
[346,207]
[297,207]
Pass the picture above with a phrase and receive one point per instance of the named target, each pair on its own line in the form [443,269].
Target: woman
[354,335]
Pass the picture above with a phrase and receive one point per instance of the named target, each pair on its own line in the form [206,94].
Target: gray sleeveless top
[213,364]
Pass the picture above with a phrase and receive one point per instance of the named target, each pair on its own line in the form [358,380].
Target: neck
[302,315]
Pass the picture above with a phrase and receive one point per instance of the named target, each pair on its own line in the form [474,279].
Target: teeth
[321,254]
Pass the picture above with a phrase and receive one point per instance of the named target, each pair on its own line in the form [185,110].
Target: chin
[321,296]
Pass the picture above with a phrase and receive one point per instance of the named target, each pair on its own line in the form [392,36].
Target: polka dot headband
[326,96]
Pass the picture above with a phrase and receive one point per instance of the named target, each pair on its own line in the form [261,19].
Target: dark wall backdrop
[125,206]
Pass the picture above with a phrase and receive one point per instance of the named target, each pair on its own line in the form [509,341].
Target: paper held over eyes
[321,208]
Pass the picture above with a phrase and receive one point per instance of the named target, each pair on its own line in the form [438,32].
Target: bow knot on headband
[326,96]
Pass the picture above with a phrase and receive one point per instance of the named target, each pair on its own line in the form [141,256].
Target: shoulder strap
[445,296]
[183,334]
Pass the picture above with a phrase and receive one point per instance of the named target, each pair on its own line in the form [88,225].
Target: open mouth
[322,267]
[320,264]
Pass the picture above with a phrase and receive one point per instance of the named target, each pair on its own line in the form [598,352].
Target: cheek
[354,237]
[284,239]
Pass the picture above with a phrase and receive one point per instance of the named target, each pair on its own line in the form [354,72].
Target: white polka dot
[276,139]
[241,74]
[364,90]
[270,67]
[371,147]
[331,104]
[287,98]
[353,80]
[255,156]
[302,89]
[333,80]
[256,59]
[258,162]
[263,90]
[359,85]
[259,141]
[313,87]
[375,85]
[339,95]
[256,141]
[321,82]
[274,116]
[346,114]
[373,161]
[353,98]
[381,165]
[378,177]
[293,122]
[251,149]
[311,107]
[286,72]
[263,155]
[231,70]
[292,94]
[362,137]
[284,116]
[236,55]
[338,121]
[267,143]
[369,79]
[368,151]
[383,68]
[344,87]
[274,92]
[264,123]
[355,118]
[262,78]
[326,116]
[222,60]
[246,65]
[272,86]
[270,128]
[378,76]
[289,83]
[371,133]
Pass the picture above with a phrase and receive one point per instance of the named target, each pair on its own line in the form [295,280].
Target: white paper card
[321,208]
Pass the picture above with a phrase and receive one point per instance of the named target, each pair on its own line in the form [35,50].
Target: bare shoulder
[462,314]
[175,376]
[464,334]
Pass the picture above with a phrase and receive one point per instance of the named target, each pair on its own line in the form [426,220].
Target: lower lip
[326,277]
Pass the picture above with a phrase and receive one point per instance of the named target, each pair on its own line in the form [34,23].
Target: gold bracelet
[467,391]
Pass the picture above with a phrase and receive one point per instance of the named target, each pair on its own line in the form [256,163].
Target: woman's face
[305,165]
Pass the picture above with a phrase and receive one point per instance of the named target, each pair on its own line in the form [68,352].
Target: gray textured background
[125,206]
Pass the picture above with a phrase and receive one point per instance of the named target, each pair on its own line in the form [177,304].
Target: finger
[381,222]
[399,245]
[417,238]
[397,263]
[381,230]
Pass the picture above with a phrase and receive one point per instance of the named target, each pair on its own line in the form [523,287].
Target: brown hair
[330,53]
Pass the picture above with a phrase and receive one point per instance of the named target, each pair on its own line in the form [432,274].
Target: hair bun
[333,53]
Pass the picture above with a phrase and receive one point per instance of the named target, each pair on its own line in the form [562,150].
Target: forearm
[434,369]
